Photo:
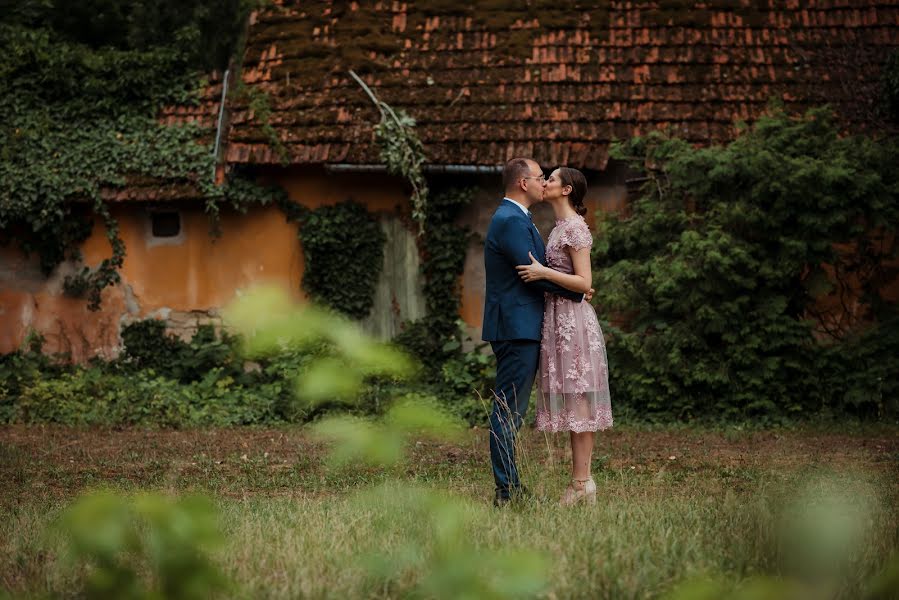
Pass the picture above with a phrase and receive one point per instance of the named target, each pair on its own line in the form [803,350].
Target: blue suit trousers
[516,367]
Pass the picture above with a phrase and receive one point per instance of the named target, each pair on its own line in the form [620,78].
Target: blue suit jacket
[513,309]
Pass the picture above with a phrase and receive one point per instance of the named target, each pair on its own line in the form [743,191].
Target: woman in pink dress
[573,380]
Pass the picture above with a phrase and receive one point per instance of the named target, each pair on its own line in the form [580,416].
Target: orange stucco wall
[193,272]
[186,278]
[200,271]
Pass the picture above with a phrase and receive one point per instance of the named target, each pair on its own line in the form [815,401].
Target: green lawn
[675,504]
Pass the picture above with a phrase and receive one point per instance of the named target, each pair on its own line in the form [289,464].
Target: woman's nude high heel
[579,490]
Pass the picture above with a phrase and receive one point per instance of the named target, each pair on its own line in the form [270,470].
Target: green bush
[715,269]
[19,370]
[461,380]
[427,345]
[93,397]
[467,382]
[147,346]
[160,380]
[70,398]
[859,375]
[163,381]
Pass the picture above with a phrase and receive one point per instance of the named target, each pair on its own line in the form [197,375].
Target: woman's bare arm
[580,281]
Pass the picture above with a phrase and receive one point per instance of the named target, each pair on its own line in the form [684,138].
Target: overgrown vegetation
[343,247]
[452,369]
[443,247]
[216,379]
[83,87]
[161,380]
[401,151]
[719,270]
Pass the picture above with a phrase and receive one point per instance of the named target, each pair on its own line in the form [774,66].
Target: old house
[484,84]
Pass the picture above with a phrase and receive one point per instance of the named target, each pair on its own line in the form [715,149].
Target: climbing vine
[259,103]
[91,282]
[78,118]
[443,247]
[402,151]
[344,251]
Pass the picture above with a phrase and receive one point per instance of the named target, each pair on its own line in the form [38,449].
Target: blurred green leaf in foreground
[270,323]
[144,546]
[820,533]
[438,543]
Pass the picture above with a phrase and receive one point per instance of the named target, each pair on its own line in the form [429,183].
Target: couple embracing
[539,322]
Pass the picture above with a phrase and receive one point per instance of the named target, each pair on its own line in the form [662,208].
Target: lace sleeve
[576,235]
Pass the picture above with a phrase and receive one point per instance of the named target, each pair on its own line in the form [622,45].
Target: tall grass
[645,536]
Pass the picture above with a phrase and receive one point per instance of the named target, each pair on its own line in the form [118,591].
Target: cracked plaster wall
[184,283]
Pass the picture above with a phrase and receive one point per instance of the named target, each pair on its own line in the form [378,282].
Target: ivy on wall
[442,243]
[402,151]
[344,251]
[443,246]
[78,114]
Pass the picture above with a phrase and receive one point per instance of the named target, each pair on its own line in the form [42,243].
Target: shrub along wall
[160,380]
[720,260]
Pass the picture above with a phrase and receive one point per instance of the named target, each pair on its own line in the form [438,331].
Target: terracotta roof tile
[560,83]
[204,112]
[153,189]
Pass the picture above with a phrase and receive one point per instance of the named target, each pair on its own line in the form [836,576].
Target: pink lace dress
[573,380]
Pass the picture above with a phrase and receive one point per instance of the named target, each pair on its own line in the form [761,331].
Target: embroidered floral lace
[573,380]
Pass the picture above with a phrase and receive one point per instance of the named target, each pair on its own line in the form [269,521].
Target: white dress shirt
[523,209]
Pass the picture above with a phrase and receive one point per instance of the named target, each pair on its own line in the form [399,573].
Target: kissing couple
[539,322]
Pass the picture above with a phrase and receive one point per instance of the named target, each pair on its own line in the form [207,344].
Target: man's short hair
[515,170]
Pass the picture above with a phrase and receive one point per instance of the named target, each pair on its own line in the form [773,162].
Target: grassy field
[675,504]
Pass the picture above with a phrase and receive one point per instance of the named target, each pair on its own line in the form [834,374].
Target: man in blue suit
[513,314]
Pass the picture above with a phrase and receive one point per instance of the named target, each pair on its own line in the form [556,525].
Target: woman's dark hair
[578,184]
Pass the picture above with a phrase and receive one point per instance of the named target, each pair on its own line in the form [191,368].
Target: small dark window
[166,224]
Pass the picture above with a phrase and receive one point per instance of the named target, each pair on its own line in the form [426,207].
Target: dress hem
[560,423]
